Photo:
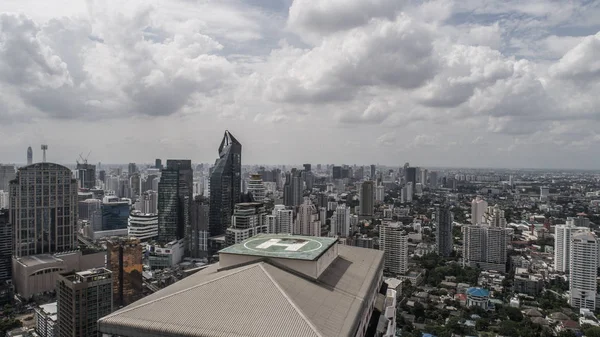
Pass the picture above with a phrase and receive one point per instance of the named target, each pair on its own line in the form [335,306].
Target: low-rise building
[46,320]
[478,297]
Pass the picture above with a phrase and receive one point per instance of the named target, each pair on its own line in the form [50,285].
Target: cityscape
[299,168]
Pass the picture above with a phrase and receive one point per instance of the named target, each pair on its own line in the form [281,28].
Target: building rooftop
[34,260]
[283,246]
[480,292]
[259,299]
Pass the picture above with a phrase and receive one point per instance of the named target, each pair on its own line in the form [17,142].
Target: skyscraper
[158,164]
[292,190]
[283,220]
[307,221]
[562,245]
[340,221]
[373,167]
[124,260]
[5,247]
[367,197]
[248,219]
[86,173]
[494,216]
[478,208]
[7,173]
[379,193]
[257,188]
[337,172]
[433,180]
[174,201]
[485,247]
[444,240]
[583,270]
[394,243]
[410,175]
[29,156]
[200,230]
[225,184]
[43,209]
[83,298]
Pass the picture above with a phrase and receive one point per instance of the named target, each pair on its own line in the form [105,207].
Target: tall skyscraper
[132,168]
[293,188]
[410,175]
[225,184]
[307,220]
[7,173]
[340,221]
[394,243]
[444,240]
[562,246]
[124,260]
[86,174]
[373,168]
[337,172]
[379,193]
[583,283]
[174,201]
[485,247]
[43,209]
[6,247]
[29,156]
[433,180]
[478,208]
[83,298]
[367,198]
[200,230]
[248,219]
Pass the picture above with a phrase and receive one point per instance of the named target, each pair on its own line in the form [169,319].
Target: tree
[593,331]
[482,324]
[566,333]
[509,328]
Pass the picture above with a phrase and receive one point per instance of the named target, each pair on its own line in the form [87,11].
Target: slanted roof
[480,292]
[260,299]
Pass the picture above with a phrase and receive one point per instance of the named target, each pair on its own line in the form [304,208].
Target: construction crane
[83,160]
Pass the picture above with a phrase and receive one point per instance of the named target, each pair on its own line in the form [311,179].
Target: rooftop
[282,246]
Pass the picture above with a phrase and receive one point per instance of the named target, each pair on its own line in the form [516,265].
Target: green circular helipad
[284,245]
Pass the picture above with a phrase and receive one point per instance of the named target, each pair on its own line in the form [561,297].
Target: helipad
[282,246]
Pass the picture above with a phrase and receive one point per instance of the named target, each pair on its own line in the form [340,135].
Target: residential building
[494,217]
[478,208]
[83,298]
[307,219]
[225,184]
[200,227]
[124,260]
[43,209]
[444,239]
[284,220]
[562,245]
[257,188]
[46,317]
[340,221]
[248,220]
[6,247]
[293,188]
[485,247]
[379,193]
[366,198]
[276,277]
[394,244]
[7,174]
[583,273]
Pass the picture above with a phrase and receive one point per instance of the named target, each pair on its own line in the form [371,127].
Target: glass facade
[225,184]
[174,201]
[115,215]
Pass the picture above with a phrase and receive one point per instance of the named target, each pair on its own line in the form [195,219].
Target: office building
[367,198]
[142,226]
[433,180]
[410,175]
[372,176]
[200,230]
[273,285]
[87,209]
[336,172]
[6,236]
[284,220]
[7,173]
[394,244]
[307,220]
[124,260]
[114,215]
[444,239]
[406,194]
[175,200]
[478,209]
[158,164]
[340,221]
[293,188]
[83,298]
[46,317]
[225,184]
[257,188]
[248,219]
[562,245]
[583,284]
[29,156]
[148,202]
[423,177]
[485,247]
[86,175]
[379,193]
[46,223]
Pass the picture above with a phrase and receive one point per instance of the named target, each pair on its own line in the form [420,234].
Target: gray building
[444,239]
[7,173]
[175,200]
[83,298]
[200,231]
[367,198]
[293,188]
[6,248]
[86,174]
[43,209]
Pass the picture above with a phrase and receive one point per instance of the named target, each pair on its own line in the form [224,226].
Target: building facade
[307,220]
[174,200]
[478,208]
[562,246]
[86,175]
[485,247]
[340,221]
[142,226]
[6,247]
[124,260]
[394,244]
[257,188]
[43,209]
[200,230]
[367,198]
[583,284]
[444,239]
[248,220]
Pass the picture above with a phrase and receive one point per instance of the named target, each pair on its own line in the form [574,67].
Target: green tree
[593,331]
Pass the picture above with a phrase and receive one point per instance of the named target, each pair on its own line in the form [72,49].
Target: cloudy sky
[438,83]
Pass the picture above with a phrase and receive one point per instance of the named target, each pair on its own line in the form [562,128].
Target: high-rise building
[485,247]
[372,176]
[4,199]
[200,230]
[444,239]
[143,226]
[478,208]
[293,188]
[158,164]
[307,220]
[581,221]
[6,235]
[29,156]
[494,216]
[366,198]
[583,284]
[132,168]
[225,184]
[284,220]
[86,174]
[562,245]
[148,202]
[340,221]
[43,209]
[410,175]
[394,244]
[83,298]
[175,200]
[433,180]
[114,216]
[544,193]
[379,193]
[248,219]
[7,173]
[257,188]
[336,172]
[124,260]
[423,178]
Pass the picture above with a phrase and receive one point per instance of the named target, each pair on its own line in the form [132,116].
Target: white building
[379,193]
[544,193]
[307,221]
[248,219]
[46,320]
[4,197]
[340,221]
[394,243]
[485,247]
[256,187]
[478,208]
[142,226]
[583,270]
[494,217]
[562,245]
[284,220]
